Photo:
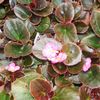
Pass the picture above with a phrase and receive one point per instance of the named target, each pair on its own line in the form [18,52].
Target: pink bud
[87,64]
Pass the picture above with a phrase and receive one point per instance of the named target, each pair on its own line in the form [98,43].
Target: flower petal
[87,64]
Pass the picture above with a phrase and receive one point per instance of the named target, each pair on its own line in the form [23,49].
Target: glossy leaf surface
[22,12]
[95,22]
[65,33]
[15,50]
[66,93]
[73,53]
[65,12]
[15,30]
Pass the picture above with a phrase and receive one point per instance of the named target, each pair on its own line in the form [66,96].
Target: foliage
[49,49]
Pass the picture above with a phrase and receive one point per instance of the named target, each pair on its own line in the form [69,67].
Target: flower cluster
[12,67]
[53,53]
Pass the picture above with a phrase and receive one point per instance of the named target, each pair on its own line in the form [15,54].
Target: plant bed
[49,50]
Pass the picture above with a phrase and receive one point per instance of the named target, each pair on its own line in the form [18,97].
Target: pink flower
[87,64]
[12,67]
[52,52]
[59,58]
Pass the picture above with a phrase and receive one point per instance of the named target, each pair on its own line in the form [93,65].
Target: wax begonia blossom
[12,67]
[87,64]
[53,53]
[59,58]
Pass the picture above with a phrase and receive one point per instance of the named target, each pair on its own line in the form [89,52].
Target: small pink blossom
[59,58]
[12,67]
[87,64]
[52,52]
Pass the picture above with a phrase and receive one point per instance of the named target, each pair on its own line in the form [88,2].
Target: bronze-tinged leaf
[95,22]
[15,30]
[62,81]
[44,12]
[76,68]
[35,19]
[30,27]
[40,88]
[15,50]
[65,12]
[66,93]
[84,17]
[22,12]
[73,52]
[38,4]
[51,71]
[66,33]
[20,87]
[91,41]
[91,77]
[60,68]
[84,93]
[81,27]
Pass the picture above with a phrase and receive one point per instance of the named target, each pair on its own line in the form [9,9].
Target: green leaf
[76,68]
[20,87]
[62,81]
[22,12]
[95,22]
[44,25]
[66,93]
[30,27]
[4,96]
[24,1]
[2,12]
[15,50]
[27,61]
[65,12]
[73,52]
[15,30]
[65,33]
[91,78]
[45,12]
[91,41]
